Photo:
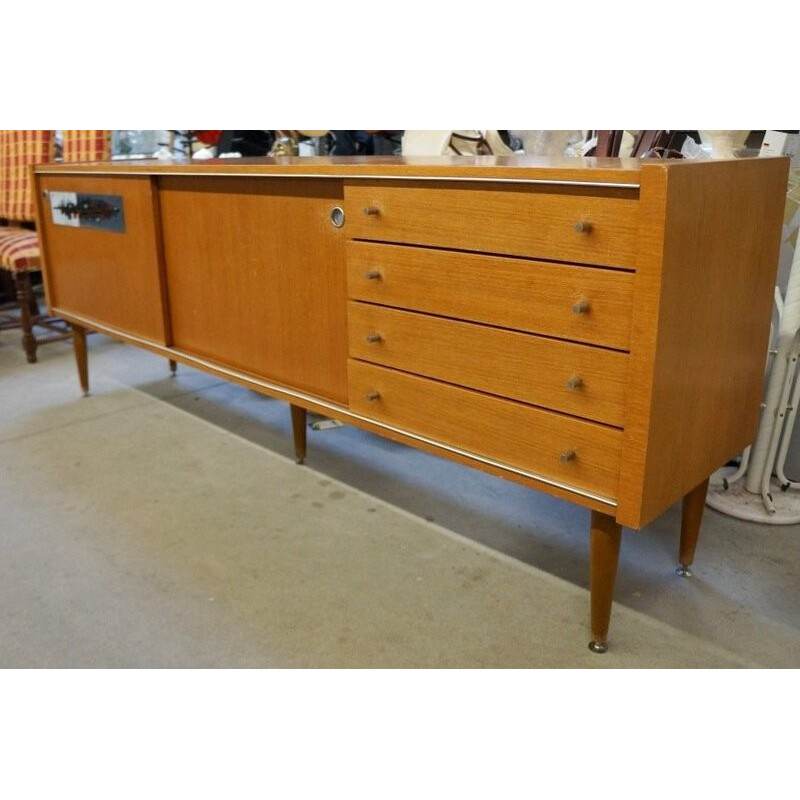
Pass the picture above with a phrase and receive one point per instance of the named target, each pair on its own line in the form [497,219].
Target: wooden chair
[86,145]
[19,244]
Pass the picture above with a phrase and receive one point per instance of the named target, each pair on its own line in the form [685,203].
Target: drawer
[574,378]
[582,304]
[587,226]
[577,453]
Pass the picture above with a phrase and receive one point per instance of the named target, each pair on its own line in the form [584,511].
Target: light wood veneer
[586,225]
[584,381]
[593,328]
[520,294]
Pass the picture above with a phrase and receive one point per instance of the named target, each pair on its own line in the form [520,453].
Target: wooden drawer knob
[372,211]
[569,455]
[581,307]
[373,395]
[575,382]
[582,227]
[373,275]
[373,338]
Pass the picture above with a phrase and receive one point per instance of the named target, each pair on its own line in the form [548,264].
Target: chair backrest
[86,145]
[18,151]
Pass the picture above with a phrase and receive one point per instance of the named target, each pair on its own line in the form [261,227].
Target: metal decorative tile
[100,211]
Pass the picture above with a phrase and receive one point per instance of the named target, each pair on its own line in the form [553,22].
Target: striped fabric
[18,151]
[86,145]
[19,249]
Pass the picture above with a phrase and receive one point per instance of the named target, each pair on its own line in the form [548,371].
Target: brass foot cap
[684,571]
[598,647]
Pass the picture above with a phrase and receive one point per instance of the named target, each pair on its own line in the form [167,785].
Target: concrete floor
[162,522]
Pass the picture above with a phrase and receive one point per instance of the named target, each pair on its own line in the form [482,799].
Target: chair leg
[24,298]
[34,304]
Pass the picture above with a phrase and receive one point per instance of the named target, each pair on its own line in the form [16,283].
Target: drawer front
[580,454]
[585,381]
[577,225]
[582,304]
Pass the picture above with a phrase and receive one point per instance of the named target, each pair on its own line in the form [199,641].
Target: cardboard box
[779,143]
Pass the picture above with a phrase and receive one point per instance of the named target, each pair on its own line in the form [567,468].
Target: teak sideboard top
[593,328]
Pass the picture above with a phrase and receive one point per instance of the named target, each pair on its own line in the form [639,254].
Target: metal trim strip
[180,173]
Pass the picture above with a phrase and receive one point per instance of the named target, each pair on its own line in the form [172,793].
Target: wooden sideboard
[592,328]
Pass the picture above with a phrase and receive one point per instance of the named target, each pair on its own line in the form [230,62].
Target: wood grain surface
[521,294]
[622,171]
[113,278]
[580,380]
[579,453]
[708,256]
[533,221]
[256,277]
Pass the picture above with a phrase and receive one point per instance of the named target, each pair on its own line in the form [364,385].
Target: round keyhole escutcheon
[337,217]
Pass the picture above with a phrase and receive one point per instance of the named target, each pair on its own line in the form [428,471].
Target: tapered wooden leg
[173,368]
[604,544]
[299,433]
[81,358]
[694,504]
[24,297]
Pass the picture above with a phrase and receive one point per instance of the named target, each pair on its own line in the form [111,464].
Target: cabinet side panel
[701,396]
